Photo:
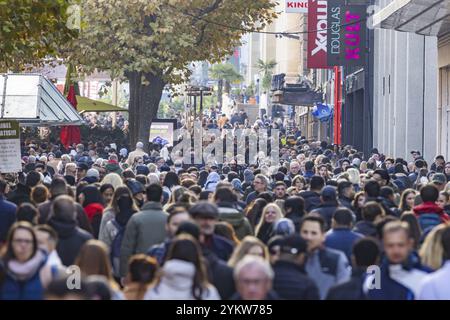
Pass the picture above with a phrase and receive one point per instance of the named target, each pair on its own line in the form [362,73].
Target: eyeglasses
[24,241]
[255,282]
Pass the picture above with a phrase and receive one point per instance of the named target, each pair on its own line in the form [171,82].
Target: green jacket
[237,219]
[145,229]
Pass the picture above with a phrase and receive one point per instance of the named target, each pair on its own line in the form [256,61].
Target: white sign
[297,6]
[10,158]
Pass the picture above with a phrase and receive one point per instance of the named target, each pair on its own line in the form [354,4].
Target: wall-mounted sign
[10,157]
[336,34]
[317,34]
[346,45]
[299,6]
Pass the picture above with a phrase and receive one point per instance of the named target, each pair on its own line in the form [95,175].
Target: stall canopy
[89,105]
[33,100]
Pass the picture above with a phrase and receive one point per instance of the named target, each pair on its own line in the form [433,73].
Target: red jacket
[431,207]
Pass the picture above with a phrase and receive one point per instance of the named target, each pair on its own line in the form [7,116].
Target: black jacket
[366,228]
[70,239]
[327,211]
[292,283]
[312,200]
[20,195]
[393,210]
[384,204]
[45,214]
[346,202]
[265,232]
[350,290]
[296,217]
[219,274]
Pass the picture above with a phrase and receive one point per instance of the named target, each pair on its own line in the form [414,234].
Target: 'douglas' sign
[346,45]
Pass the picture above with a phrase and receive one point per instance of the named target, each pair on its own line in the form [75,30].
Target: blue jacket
[327,210]
[342,239]
[312,200]
[220,246]
[7,217]
[29,289]
[392,288]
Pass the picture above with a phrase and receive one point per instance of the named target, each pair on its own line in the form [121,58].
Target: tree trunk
[143,106]
[227,87]
[220,93]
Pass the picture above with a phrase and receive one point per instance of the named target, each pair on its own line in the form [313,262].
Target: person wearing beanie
[401,177]
[142,169]
[137,190]
[92,176]
[113,166]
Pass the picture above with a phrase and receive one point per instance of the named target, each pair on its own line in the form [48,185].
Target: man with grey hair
[71,237]
[253,277]
[139,152]
[260,184]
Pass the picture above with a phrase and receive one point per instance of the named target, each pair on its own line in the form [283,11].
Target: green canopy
[89,105]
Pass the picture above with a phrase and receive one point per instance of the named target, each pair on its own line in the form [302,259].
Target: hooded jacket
[212,181]
[312,200]
[237,219]
[176,283]
[70,239]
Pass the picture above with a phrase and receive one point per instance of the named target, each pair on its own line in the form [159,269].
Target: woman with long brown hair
[93,259]
[183,275]
[112,210]
[407,200]
[141,272]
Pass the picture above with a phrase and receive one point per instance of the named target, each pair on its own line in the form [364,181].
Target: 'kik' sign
[300,6]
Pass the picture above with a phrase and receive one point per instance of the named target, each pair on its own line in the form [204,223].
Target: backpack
[116,245]
[429,220]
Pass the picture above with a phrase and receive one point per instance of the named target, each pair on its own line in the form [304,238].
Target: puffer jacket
[237,219]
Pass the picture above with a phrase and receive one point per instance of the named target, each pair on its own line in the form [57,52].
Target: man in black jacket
[312,197]
[291,281]
[328,205]
[70,237]
[346,192]
[58,188]
[22,192]
[365,254]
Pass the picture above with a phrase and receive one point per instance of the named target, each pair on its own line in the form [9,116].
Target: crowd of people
[328,223]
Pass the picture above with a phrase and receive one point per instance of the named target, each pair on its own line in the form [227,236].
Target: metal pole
[195,107]
[201,105]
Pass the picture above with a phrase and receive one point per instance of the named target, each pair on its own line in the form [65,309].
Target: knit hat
[93,173]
